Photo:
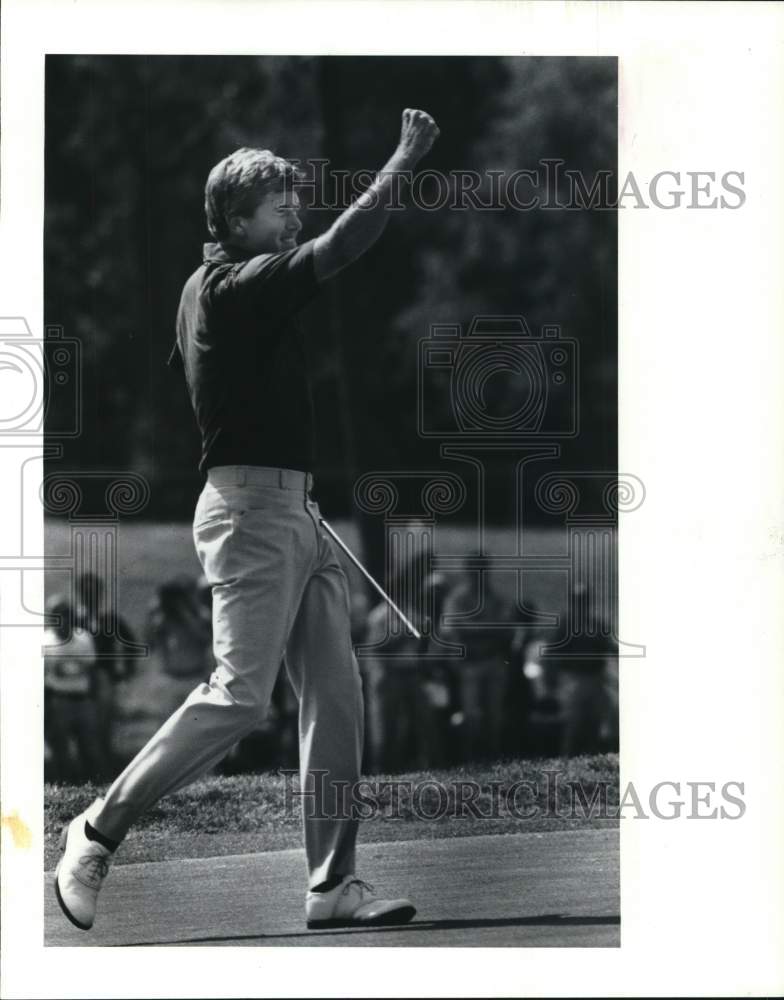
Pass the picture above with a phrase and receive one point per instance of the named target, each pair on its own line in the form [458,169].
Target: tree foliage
[129,143]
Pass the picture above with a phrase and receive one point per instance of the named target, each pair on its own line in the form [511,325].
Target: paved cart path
[523,890]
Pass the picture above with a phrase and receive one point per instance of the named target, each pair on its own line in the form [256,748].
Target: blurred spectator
[544,723]
[179,629]
[179,632]
[204,596]
[407,696]
[610,721]
[518,703]
[116,651]
[437,692]
[359,611]
[72,702]
[588,687]
[482,676]
[393,709]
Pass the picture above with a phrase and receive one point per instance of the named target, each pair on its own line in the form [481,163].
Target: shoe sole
[60,900]
[390,919]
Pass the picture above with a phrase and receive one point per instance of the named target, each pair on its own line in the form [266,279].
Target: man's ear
[237,227]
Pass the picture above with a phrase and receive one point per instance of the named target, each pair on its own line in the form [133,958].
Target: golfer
[278,590]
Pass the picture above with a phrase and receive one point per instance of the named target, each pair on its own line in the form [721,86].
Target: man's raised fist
[417,133]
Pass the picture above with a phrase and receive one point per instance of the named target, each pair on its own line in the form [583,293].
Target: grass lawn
[248,813]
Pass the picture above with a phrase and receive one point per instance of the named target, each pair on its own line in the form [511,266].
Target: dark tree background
[129,143]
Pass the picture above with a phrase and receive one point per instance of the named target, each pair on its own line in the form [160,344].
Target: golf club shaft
[330,531]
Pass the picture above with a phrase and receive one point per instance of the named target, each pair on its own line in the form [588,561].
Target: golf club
[330,531]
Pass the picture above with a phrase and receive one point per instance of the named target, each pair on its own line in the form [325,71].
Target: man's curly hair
[239,182]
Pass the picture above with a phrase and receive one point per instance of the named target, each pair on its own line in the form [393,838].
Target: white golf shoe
[353,903]
[81,871]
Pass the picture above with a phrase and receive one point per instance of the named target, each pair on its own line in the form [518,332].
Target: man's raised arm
[358,228]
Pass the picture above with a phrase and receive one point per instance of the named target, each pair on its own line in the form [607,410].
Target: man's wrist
[401,161]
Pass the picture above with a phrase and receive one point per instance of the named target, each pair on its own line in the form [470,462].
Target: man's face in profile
[274,225]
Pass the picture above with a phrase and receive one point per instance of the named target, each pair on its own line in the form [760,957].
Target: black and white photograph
[380,553]
[374,347]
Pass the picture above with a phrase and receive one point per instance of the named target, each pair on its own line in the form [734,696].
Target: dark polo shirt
[244,357]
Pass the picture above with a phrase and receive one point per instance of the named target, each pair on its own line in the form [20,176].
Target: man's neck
[234,249]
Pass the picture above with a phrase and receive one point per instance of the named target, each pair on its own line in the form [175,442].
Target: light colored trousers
[278,592]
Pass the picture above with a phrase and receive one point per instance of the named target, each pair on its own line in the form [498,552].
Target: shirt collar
[220,253]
